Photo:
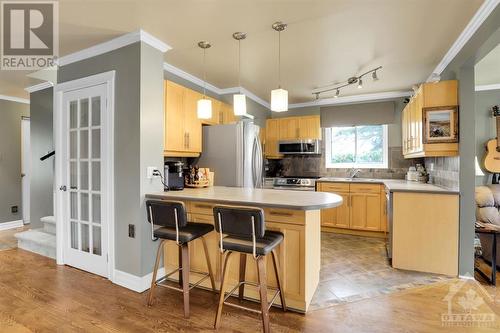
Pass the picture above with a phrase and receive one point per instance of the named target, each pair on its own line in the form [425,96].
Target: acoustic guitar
[492,157]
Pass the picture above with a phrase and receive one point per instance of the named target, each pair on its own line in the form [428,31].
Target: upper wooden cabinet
[183,129]
[272,138]
[444,93]
[290,128]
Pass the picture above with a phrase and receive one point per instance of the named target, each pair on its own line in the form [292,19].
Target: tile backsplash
[443,171]
[314,166]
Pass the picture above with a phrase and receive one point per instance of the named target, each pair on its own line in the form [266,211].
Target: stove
[295,183]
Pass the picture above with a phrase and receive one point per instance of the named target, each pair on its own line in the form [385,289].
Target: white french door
[84,192]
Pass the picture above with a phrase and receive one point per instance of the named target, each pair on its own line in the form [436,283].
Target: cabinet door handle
[203,206]
[280,213]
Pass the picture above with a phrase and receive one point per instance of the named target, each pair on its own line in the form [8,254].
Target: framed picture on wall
[440,124]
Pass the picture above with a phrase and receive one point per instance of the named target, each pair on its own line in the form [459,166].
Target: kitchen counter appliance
[234,153]
[174,177]
[295,183]
[300,147]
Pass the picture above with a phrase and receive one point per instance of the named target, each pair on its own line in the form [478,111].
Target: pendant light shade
[204,108]
[239,100]
[279,100]
[279,97]
[239,104]
[204,105]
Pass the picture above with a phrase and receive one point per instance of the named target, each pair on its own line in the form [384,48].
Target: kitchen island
[296,214]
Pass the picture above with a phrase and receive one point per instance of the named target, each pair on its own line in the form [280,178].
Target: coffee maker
[174,177]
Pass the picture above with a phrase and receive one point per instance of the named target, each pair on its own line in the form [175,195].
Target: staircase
[40,240]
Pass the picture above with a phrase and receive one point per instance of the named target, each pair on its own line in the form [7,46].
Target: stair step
[49,224]
[37,241]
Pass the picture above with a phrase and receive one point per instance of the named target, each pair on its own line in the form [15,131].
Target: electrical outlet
[150,172]
[131,231]
[14,209]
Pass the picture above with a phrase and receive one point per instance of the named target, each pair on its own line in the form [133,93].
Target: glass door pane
[84,173]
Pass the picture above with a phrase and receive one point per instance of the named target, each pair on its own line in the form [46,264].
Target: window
[356,147]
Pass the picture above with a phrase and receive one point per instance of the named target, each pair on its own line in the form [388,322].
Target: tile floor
[7,239]
[354,268]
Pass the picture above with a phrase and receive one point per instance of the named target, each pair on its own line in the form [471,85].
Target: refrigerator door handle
[254,163]
[257,158]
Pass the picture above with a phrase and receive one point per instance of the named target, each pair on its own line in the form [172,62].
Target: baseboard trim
[11,225]
[466,277]
[136,283]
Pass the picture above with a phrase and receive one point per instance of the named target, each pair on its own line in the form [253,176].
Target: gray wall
[485,127]
[138,142]
[10,159]
[42,172]
[462,68]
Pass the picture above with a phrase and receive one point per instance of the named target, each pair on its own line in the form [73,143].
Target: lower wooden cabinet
[337,217]
[363,207]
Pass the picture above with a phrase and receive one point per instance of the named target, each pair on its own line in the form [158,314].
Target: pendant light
[279,97]
[239,100]
[204,109]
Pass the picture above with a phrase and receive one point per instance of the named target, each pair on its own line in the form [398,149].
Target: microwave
[299,147]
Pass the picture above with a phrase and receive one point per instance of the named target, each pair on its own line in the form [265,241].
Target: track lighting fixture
[352,80]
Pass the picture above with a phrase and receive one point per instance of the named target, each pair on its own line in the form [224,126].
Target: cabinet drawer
[284,215]
[204,208]
[366,188]
[333,187]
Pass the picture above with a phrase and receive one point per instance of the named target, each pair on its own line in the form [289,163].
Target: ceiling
[325,42]
[487,70]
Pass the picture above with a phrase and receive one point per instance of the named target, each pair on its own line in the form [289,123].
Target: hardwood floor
[36,295]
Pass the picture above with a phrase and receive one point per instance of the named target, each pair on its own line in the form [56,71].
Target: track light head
[360,84]
[374,76]
[337,93]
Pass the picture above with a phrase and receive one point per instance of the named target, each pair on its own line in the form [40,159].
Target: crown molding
[113,44]
[191,78]
[14,99]
[353,99]
[40,86]
[485,87]
[477,20]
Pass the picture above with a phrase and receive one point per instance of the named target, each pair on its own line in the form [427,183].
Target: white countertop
[394,185]
[301,200]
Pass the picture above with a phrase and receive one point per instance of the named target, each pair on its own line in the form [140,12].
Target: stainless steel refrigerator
[234,153]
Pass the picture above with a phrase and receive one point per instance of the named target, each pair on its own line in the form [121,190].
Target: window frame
[385,151]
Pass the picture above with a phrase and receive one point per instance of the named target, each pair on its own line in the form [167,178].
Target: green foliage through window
[357,145]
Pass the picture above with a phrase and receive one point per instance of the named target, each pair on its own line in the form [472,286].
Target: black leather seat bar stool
[246,233]
[172,225]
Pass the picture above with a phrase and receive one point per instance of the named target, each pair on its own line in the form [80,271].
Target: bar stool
[172,219]
[245,231]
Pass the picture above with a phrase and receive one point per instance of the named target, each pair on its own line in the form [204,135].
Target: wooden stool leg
[222,290]
[278,279]
[155,271]
[209,264]
[243,265]
[185,277]
[261,272]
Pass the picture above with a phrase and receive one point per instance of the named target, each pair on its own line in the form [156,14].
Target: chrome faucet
[354,172]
